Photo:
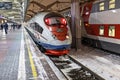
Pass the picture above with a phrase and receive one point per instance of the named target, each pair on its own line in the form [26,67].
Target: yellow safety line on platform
[34,72]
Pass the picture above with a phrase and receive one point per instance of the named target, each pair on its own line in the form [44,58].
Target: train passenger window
[111,31]
[101,6]
[38,28]
[101,30]
[111,4]
[32,25]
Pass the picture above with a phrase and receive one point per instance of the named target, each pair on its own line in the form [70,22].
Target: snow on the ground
[105,64]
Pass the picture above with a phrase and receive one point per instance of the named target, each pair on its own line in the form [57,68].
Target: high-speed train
[50,30]
[102,24]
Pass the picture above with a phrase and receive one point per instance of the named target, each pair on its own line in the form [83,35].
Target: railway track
[74,70]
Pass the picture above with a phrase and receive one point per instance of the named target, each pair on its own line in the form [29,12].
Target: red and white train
[102,24]
[51,31]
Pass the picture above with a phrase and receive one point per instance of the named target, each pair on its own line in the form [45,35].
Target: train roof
[46,15]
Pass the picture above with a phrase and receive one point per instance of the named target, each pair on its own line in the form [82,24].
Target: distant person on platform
[6,27]
[19,26]
[1,26]
[13,26]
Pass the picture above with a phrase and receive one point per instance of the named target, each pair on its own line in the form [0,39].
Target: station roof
[36,6]
[11,9]
[26,9]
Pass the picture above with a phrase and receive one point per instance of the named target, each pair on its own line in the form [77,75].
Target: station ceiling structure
[23,10]
[13,11]
[36,6]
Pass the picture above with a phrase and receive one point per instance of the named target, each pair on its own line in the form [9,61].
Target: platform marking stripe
[34,72]
[42,75]
[41,71]
[21,68]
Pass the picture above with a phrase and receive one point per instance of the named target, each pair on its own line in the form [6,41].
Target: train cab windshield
[55,19]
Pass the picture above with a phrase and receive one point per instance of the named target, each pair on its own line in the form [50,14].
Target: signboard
[5,5]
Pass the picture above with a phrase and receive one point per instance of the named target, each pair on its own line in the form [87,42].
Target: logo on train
[59,30]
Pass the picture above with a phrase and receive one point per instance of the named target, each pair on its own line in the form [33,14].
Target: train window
[55,21]
[101,6]
[38,28]
[111,4]
[32,25]
[101,30]
[111,31]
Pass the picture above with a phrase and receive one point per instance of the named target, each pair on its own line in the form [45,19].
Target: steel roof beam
[49,6]
[32,11]
[30,15]
[64,9]
[52,4]
[63,2]
[38,4]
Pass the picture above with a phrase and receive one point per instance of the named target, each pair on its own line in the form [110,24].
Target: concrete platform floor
[20,59]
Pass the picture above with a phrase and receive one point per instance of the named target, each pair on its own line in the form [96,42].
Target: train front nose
[57,52]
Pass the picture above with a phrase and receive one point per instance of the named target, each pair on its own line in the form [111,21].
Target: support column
[76,28]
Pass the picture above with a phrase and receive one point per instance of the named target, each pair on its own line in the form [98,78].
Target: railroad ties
[73,70]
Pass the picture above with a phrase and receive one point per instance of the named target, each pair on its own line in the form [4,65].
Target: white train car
[51,31]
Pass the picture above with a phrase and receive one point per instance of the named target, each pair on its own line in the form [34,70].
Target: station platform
[17,58]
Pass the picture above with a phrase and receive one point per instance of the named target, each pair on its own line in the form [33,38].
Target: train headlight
[50,28]
[67,37]
[87,13]
[47,21]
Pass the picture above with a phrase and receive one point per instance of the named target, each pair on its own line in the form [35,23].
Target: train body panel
[51,31]
[105,17]
[102,24]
